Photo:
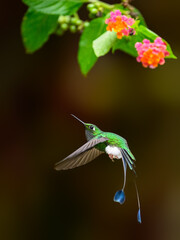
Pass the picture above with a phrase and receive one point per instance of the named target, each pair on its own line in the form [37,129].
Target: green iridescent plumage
[115,140]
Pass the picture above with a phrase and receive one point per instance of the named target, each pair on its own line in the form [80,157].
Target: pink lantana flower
[120,24]
[151,54]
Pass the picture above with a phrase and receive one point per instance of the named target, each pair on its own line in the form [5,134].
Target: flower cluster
[121,24]
[151,54]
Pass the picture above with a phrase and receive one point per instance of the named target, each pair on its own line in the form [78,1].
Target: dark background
[37,94]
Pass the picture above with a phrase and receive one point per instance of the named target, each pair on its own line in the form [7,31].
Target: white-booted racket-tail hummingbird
[99,142]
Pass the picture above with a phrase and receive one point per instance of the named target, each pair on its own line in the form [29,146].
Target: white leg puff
[113,152]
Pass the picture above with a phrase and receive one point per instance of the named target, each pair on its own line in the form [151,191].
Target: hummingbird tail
[139,206]
[125,169]
[120,195]
[126,157]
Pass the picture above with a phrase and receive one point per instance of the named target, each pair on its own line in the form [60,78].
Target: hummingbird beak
[78,119]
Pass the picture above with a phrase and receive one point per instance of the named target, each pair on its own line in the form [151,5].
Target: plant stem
[106,5]
[102,4]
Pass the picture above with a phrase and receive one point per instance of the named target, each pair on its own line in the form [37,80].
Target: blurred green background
[37,94]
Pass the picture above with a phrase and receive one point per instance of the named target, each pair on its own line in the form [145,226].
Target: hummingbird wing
[79,160]
[82,155]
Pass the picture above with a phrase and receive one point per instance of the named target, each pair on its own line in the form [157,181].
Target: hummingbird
[99,142]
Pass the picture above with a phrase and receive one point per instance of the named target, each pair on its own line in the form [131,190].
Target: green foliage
[126,44]
[45,17]
[55,7]
[36,28]
[104,43]
[86,56]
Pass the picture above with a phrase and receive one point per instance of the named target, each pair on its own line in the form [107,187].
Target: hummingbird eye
[92,127]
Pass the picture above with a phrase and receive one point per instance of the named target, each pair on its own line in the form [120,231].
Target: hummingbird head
[91,130]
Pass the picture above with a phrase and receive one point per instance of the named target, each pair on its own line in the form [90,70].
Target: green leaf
[104,43]
[145,32]
[127,44]
[86,56]
[139,17]
[36,28]
[55,7]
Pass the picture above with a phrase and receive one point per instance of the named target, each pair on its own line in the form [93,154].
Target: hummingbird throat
[89,135]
